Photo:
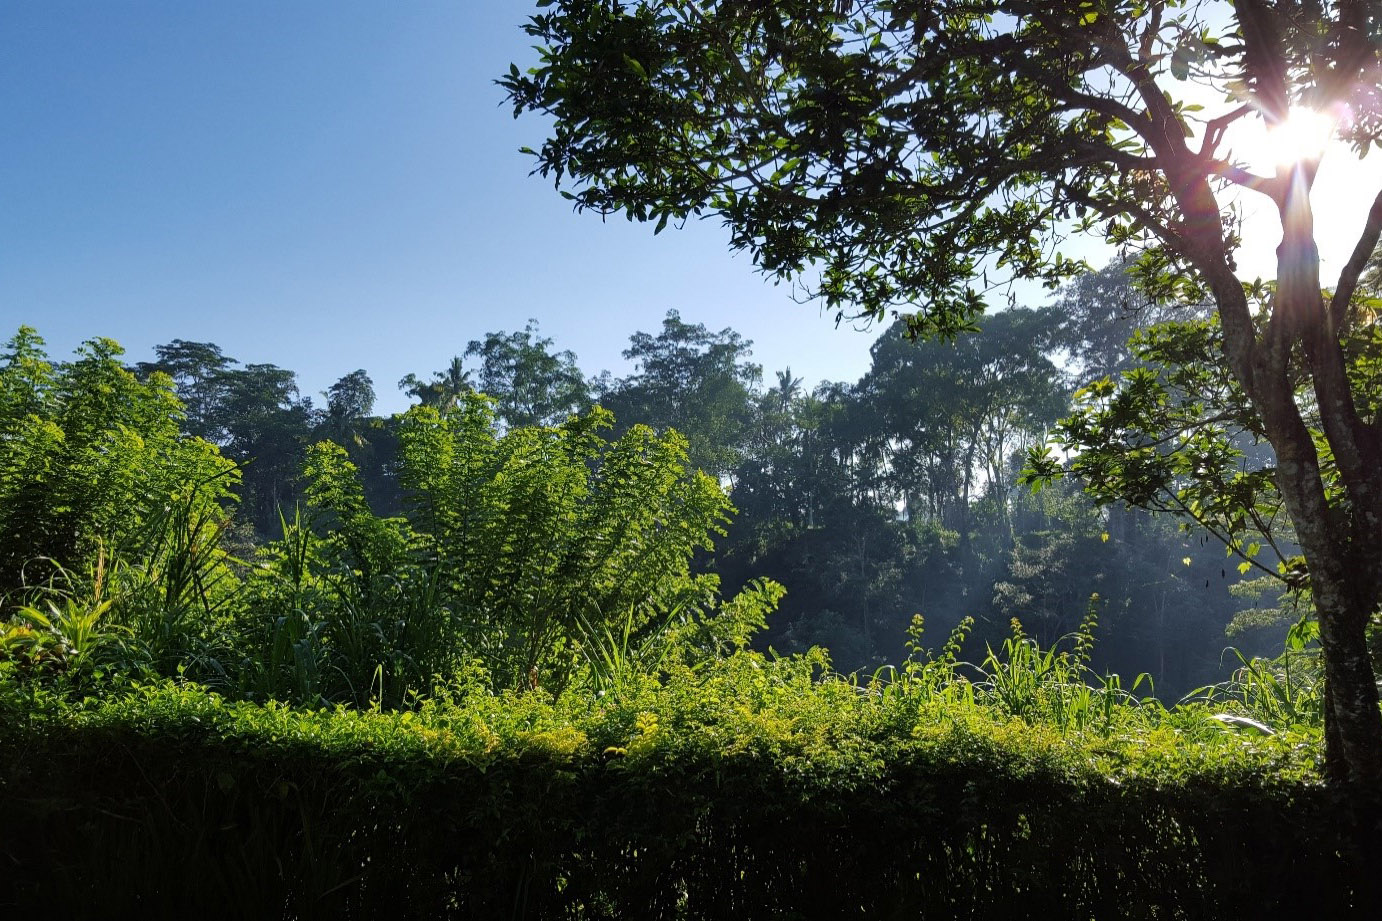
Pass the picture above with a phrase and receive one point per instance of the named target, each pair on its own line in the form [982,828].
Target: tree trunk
[1339,538]
[1341,562]
[1353,743]
[1338,535]
[1344,599]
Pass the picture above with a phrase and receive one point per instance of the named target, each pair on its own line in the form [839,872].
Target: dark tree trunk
[1344,596]
[1340,536]
[1338,524]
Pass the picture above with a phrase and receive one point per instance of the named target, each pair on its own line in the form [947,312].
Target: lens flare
[1304,135]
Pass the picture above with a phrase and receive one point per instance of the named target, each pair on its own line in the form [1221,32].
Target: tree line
[871,501]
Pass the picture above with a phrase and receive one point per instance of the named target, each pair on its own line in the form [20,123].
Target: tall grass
[176,584]
[1052,686]
[334,633]
[1286,692]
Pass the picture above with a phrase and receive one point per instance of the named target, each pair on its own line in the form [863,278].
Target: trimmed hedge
[754,792]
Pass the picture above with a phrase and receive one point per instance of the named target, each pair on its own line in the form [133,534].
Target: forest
[869,502]
[526,543]
[1068,607]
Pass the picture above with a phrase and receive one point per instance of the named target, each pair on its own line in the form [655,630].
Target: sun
[1304,135]
[1340,194]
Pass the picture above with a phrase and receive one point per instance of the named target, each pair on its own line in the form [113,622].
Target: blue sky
[327,186]
[335,184]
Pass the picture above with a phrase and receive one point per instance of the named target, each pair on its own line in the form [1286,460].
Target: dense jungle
[217,578]
[1068,606]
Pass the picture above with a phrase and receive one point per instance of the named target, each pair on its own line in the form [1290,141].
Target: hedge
[746,795]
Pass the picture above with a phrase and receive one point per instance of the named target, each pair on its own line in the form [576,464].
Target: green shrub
[89,456]
[751,787]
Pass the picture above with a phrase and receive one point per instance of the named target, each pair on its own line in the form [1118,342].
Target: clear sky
[335,184]
[327,185]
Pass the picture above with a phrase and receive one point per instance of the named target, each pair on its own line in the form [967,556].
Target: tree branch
[1348,278]
[1214,128]
[1262,58]
[1272,188]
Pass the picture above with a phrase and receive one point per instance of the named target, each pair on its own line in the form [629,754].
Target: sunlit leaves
[88,453]
[1174,433]
[540,530]
[885,154]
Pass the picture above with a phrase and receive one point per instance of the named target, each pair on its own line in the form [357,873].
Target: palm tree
[445,389]
[788,388]
[454,383]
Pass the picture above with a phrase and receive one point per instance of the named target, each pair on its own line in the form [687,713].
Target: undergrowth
[996,789]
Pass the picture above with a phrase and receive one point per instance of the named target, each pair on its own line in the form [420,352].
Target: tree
[1099,312]
[895,154]
[349,402]
[267,429]
[694,380]
[955,412]
[444,390]
[531,384]
[351,397]
[790,470]
[198,370]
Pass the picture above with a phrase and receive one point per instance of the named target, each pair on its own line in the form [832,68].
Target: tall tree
[694,380]
[349,402]
[954,413]
[788,469]
[198,370]
[351,397]
[1099,312]
[267,429]
[446,388]
[531,384]
[900,148]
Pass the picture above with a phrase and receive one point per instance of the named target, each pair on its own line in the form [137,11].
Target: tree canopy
[692,379]
[89,456]
[531,384]
[868,502]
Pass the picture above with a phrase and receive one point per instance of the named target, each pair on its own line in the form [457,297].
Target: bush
[752,788]
[92,458]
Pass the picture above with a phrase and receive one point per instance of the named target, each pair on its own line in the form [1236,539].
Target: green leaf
[1180,63]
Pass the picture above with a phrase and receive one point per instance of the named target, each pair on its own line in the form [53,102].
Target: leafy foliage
[747,782]
[890,155]
[545,529]
[359,600]
[694,380]
[88,455]
[531,384]
[523,690]
[1176,433]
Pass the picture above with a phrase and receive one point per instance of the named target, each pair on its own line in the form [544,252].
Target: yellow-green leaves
[89,454]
